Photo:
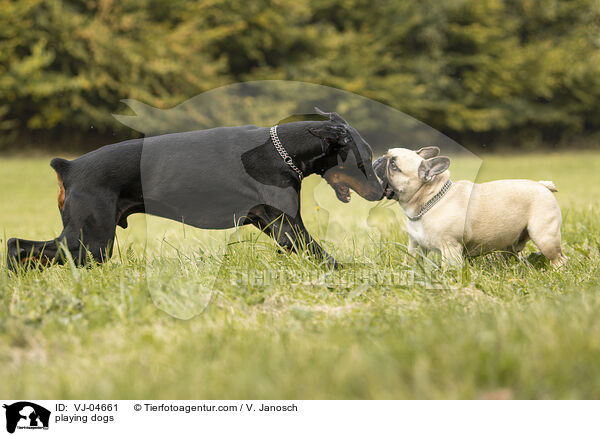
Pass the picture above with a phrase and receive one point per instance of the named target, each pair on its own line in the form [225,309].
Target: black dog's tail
[61,166]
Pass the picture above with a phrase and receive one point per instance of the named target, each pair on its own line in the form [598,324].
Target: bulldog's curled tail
[548,184]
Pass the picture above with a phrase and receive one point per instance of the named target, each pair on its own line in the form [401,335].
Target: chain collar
[437,197]
[284,154]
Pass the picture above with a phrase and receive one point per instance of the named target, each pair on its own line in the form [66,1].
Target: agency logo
[24,415]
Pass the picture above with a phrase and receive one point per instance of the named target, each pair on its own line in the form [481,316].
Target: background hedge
[505,72]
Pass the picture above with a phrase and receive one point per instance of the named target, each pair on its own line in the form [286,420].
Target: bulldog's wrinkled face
[403,172]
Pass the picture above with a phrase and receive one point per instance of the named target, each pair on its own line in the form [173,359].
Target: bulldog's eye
[394,167]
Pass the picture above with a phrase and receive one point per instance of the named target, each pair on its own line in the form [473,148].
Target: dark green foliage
[520,71]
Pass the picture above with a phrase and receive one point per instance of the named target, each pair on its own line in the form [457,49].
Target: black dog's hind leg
[89,221]
[289,232]
[28,253]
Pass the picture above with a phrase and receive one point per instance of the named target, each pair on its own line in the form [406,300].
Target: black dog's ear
[430,168]
[428,152]
[333,116]
[330,135]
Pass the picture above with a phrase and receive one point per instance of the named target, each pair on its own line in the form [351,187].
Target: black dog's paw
[334,264]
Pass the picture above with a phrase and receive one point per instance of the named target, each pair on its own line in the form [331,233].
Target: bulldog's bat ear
[333,116]
[428,152]
[430,168]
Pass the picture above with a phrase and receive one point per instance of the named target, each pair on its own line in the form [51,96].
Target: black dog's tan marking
[61,193]
[213,179]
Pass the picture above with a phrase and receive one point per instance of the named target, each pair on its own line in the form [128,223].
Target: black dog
[214,179]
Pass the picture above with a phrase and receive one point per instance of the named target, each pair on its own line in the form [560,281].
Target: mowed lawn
[253,323]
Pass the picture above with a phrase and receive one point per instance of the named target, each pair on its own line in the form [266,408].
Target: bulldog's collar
[432,202]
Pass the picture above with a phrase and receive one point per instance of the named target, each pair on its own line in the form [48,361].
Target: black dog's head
[346,162]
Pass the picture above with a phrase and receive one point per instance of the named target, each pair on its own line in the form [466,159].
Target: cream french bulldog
[464,218]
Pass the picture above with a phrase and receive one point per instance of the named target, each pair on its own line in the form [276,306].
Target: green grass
[496,329]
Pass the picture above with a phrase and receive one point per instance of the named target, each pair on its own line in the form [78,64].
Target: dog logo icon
[26,415]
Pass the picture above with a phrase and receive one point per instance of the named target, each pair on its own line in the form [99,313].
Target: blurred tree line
[516,72]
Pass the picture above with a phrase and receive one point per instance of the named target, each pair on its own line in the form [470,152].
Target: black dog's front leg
[289,232]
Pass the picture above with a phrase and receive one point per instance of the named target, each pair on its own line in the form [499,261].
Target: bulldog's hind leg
[514,251]
[544,230]
[521,242]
